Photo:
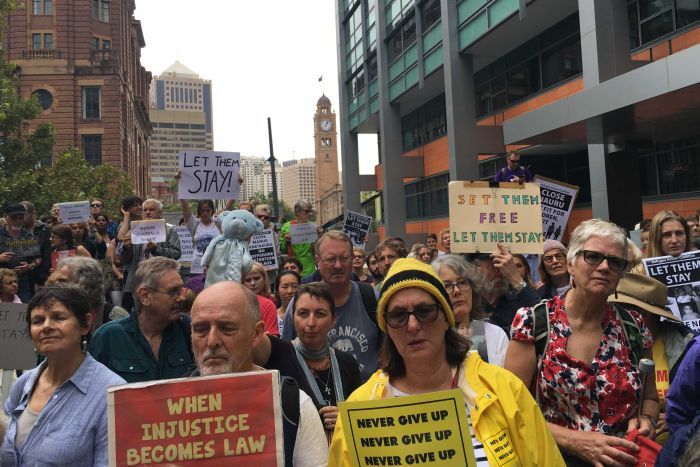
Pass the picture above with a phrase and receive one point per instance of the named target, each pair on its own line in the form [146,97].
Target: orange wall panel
[378,175]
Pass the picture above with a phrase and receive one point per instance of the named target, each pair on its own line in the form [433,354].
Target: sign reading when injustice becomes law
[426,429]
[482,215]
[16,346]
[233,419]
[209,175]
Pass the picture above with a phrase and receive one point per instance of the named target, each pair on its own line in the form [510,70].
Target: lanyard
[335,371]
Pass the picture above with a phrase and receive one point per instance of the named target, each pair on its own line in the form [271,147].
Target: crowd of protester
[556,339]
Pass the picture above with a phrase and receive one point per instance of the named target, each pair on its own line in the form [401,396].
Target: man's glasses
[615,263]
[462,285]
[95,205]
[550,259]
[332,260]
[425,314]
[172,293]
[263,217]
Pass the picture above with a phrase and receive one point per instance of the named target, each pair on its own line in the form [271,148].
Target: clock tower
[328,190]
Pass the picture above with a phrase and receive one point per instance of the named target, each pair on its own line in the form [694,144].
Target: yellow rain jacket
[502,411]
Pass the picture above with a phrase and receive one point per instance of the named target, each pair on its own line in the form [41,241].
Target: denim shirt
[72,427]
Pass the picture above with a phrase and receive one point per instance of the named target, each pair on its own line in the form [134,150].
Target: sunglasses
[425,314]
[95,205]
[615,263]
[263,218]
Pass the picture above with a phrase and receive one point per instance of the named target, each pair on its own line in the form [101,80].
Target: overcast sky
[264,59]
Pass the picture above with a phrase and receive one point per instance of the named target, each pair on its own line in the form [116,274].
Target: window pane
[523,80]
[48,7]
[36,7]
[106,45]
[483,98]
[431,13]
[561,63]
[680,170]
[687,11]
[657,27]
[649,8]
[92,149]
[48,41]
[633,20]
[91,102]
[498,92]
[36,41]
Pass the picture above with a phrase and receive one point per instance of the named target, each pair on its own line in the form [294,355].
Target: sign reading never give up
[483,215]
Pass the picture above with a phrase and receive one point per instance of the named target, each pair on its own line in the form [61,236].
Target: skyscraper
[181,114]
[299,181]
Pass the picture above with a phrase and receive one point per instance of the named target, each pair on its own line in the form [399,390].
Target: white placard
[209,175]
[77,212]
[186,245]
[16,346]
[303,233]
[357,227]
[152,230]
[262,249]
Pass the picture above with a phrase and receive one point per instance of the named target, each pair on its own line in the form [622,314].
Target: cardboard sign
[16,346]
[233,419]
[74,213]
[152,230]
[186,244]
[557,199]
[681,274]
[209,175]
[262,249]
[303,233]
[426,429]
[483,215]
[357,227]
[57,256]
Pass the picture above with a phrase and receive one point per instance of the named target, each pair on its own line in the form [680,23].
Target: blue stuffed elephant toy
[227,257]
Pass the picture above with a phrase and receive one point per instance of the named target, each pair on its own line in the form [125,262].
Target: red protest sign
[204,421]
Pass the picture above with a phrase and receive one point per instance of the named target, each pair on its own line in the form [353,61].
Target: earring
[84,342]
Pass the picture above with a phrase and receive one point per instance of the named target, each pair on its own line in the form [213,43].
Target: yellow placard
[483,214]
[426,429]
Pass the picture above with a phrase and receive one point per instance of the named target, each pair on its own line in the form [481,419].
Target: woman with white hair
[585,367]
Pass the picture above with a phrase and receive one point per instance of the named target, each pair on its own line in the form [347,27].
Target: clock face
[326,125]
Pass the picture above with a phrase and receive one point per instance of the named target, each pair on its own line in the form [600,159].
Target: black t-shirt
[283,359]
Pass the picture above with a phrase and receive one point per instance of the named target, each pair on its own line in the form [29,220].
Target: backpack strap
[478,338]
[632,332]
[289,393]
[369,301]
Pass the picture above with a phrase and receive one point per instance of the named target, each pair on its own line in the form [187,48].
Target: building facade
[82,60]
[299,181]
[329,197]
[602,94]
[181,114]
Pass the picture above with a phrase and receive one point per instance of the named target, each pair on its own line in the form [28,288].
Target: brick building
[82,59]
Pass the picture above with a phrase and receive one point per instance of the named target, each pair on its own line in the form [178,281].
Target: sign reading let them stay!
[426,429]
[232,419]
[209,175]
[481,216]
[16,346]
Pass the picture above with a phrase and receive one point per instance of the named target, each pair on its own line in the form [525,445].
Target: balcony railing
[41,54]
[100,56]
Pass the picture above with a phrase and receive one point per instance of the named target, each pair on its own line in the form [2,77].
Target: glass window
[401,40]
[427,197]
[687,11]
[95,43]
[430,13]
[48,41]
[104,10]
[633,19]
[92,149]
[523,80]
[44,97]
[37,7]
[48,7]
[36,41]
[106,44]
[649,8]
[426,123]
[561,62]
[91,102]
[657,27]
[372,69]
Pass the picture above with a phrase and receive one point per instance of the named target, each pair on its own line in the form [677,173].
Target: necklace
[326,384]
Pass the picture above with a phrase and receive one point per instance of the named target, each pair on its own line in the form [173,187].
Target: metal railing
[41,54]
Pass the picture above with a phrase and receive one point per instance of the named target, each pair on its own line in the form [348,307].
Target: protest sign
[74,213]
[16,346]
[57,256]
[186,245]
[303,233]
[426,429]
[209,175]
[357,227]
[208,421]
[482,215]
[681,274]
[152,230]
[262,249]
[557,200]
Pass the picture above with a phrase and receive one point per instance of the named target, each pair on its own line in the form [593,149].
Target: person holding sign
[303,251]
[423,352]
[62,245]
[58,410]
[669,235]
[585,368]
[513,172]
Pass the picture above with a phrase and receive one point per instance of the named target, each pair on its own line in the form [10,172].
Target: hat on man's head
[406,273]
[551,244]
[15,208]
[643,291]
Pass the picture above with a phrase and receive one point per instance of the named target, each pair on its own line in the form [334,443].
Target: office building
[602,94]
[82,60]
[299,181]
[181,113]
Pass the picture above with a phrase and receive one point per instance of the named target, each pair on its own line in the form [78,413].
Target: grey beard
[496,287]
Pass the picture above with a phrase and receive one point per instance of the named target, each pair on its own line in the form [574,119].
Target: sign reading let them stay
[232,419]
[209,175]
[16,346]
[426,429]
[482,215]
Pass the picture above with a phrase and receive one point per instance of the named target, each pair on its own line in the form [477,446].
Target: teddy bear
[227,257]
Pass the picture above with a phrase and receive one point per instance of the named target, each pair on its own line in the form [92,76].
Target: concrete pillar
[459,100]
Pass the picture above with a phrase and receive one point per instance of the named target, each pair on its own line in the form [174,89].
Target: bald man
[226,325]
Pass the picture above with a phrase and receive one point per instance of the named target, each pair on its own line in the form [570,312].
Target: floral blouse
[596,396]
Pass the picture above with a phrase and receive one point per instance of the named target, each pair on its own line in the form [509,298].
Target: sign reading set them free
[209,175]
[482,215]
[16,346]
[557,202]
[152,230]
[426,429]
[233,419]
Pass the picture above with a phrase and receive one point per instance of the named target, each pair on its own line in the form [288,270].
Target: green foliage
[285,211]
